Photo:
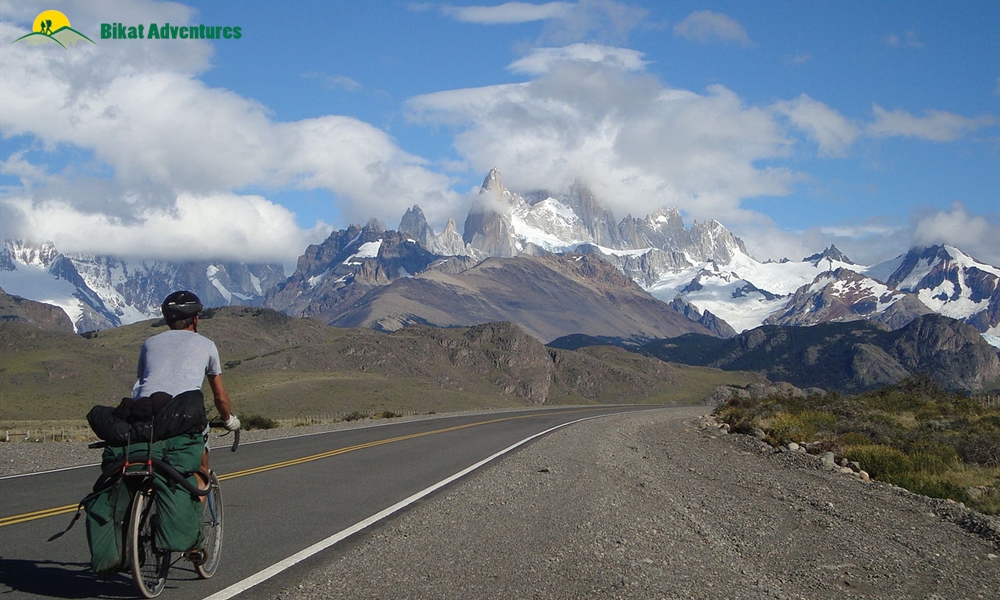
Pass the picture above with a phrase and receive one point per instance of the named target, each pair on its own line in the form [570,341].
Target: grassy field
[286,368]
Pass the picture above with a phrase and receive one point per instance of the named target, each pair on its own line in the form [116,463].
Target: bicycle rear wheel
[149,564]
[212,527]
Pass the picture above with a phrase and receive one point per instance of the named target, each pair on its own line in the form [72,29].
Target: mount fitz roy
[555,264]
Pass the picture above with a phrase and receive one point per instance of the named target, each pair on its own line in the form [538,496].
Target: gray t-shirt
[175,361]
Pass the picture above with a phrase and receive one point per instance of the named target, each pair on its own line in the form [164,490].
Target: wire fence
[71,433]
[990,401]
[48,434]
[340,417]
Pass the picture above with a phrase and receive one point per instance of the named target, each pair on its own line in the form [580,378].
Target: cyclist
[179,359]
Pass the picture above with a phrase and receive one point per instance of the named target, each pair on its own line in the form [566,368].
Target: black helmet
[180,305]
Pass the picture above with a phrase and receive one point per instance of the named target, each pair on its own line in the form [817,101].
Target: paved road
[281,497]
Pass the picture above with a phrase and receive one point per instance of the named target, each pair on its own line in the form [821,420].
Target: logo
[53,26]
[120,31]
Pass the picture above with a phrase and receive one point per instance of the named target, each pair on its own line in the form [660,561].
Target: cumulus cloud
[564,22]
[934,125]
[972,233]
[222,226]
[638,144]
[151,133]
[706,26]
[832,132]
[541,60]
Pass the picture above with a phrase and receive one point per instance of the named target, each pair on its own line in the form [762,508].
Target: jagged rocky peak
[493,194]
[927,267]
[832,254]
[493,182]
[668,218]
[29,252]
[449,242]
[374,226]
[712,241]
[414,224]
[488,227]
[662,229]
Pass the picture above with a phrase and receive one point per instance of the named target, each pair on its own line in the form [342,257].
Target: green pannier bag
[179,514]
[107,511]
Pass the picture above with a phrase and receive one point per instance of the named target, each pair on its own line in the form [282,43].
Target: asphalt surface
[281,497]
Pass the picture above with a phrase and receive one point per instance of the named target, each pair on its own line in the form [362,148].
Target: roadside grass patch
[914,435]
[253,421]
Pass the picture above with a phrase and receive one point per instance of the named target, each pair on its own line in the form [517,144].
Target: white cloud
[565,22]
[974,234]
[337,82]
[221,226]
[877,239]
[935,125]
[152,133]
[832,132]
[797,59]
[541,60]
[864,243]
[637,144]
[508,13]
[707,26]
[908,39]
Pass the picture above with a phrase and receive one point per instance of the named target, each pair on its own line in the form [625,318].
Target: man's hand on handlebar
[232,423]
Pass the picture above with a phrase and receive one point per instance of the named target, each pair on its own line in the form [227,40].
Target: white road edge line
[261,576]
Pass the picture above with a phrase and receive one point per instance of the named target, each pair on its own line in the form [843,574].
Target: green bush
[853,438]
[386,414]
[880,461]
[785,427]
[930,485]
[252,421]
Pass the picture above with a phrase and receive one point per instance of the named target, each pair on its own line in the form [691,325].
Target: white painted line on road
[318,547]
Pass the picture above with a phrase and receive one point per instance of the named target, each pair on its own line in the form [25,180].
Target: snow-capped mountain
[846,295]
[98,292]
[703,271]
[348,264]
[708,272]
[950,283]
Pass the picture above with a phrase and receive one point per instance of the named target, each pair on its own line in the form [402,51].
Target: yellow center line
[62,510]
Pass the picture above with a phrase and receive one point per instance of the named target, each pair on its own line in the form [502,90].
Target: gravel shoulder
[660,505]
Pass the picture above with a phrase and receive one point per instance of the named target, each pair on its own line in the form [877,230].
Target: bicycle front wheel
[212,528]
[149,564]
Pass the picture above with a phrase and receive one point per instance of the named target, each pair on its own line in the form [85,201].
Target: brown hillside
[548,297]
[286,367]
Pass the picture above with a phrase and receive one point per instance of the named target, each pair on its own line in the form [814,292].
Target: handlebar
[214,424]
[236,434]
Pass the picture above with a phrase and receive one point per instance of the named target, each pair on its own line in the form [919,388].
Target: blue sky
[871,125]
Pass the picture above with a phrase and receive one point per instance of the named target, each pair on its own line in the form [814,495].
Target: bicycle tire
[149,565]
[212,524]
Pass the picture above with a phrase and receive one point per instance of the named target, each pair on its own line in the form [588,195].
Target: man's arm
[222,402]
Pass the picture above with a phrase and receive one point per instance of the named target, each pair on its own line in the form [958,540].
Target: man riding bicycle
[179,359]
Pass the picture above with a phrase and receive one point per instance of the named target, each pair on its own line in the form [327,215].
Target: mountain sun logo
[53,26]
